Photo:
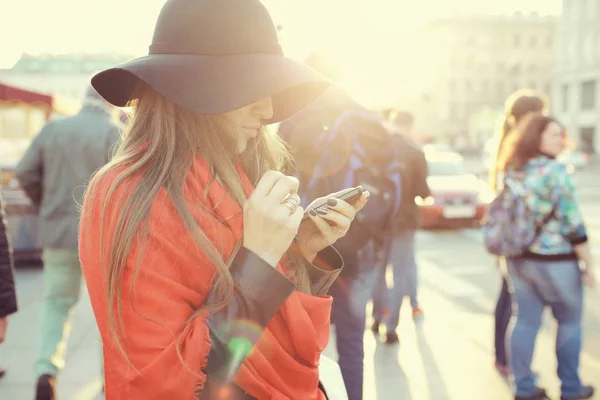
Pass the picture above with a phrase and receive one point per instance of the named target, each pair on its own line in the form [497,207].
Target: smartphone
[348,197]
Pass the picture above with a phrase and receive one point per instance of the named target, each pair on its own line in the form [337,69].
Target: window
[533,41]
[549,41]
[564,97]
[500,89]
[588,95]
[515,86]
[453,111]
[586,139]
[485,87]
[517,40]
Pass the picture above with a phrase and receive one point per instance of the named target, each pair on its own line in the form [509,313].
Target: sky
[339,26]
[126,25]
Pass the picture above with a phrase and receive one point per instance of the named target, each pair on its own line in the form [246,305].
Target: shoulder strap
[546,219]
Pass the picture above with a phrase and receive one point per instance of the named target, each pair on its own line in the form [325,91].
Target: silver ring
[292,204]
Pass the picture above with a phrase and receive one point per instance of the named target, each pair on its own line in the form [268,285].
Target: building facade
[470,64]
[58,75]
[577,72]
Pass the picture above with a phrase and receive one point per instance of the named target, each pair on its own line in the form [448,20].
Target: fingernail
[322,212]
[312,212]
[331,202]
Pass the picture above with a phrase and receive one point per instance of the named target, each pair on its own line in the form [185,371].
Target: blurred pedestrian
[192,245]
[53,173]
[304,132]
[519,105]
[551,272]
[401,253]
[8,298]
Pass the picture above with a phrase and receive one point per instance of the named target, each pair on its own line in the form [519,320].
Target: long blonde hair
[518,105]
[158,148]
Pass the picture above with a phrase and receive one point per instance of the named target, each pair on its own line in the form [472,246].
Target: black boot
[46,388]
[392,338]
[538,394]
[375,327]
[586,393]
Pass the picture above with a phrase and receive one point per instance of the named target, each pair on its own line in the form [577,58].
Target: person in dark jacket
[401,254]
[8,298]
[353,290]
[53,173]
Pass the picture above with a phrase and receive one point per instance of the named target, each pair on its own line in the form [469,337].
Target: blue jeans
[404,267]
[350,298]
[536,284]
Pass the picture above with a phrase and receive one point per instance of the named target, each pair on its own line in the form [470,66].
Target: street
[447,355]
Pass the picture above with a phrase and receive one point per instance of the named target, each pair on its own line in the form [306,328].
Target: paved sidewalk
[81,377]
[448,355]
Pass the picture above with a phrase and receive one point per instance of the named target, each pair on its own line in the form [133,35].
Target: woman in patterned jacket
[518,106]
[553,270]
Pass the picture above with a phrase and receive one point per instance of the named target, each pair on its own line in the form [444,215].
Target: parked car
[458,199]
[438,148]
[22,219]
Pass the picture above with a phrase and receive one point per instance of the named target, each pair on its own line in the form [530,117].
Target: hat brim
[216,84]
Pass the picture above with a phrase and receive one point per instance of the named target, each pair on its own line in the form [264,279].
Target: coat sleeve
[29,170]
[421,172]
[567,207]
[8,298]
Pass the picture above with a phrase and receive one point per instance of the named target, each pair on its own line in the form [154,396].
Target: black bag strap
[544,222]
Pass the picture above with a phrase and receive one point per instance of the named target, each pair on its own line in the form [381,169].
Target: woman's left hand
[325,228]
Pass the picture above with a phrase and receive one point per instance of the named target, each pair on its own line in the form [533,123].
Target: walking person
[401,252]
[8,298]
[53,173]
[518,105]
[552,270]
[202,277]
[305,133]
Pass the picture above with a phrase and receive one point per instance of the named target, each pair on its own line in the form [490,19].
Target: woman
[548,273]
[192,244]
[517,106]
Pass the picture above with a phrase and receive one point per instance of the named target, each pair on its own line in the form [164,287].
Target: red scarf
[284,362]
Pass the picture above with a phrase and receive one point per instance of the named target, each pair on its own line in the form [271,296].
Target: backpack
[509,228]
[357,150]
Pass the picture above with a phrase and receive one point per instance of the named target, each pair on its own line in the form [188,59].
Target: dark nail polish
[312,212]
[331,202]
[322,212]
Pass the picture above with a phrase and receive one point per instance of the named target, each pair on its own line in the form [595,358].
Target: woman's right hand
[269,229]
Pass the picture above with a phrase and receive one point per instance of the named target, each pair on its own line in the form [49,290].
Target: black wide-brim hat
[215,56]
